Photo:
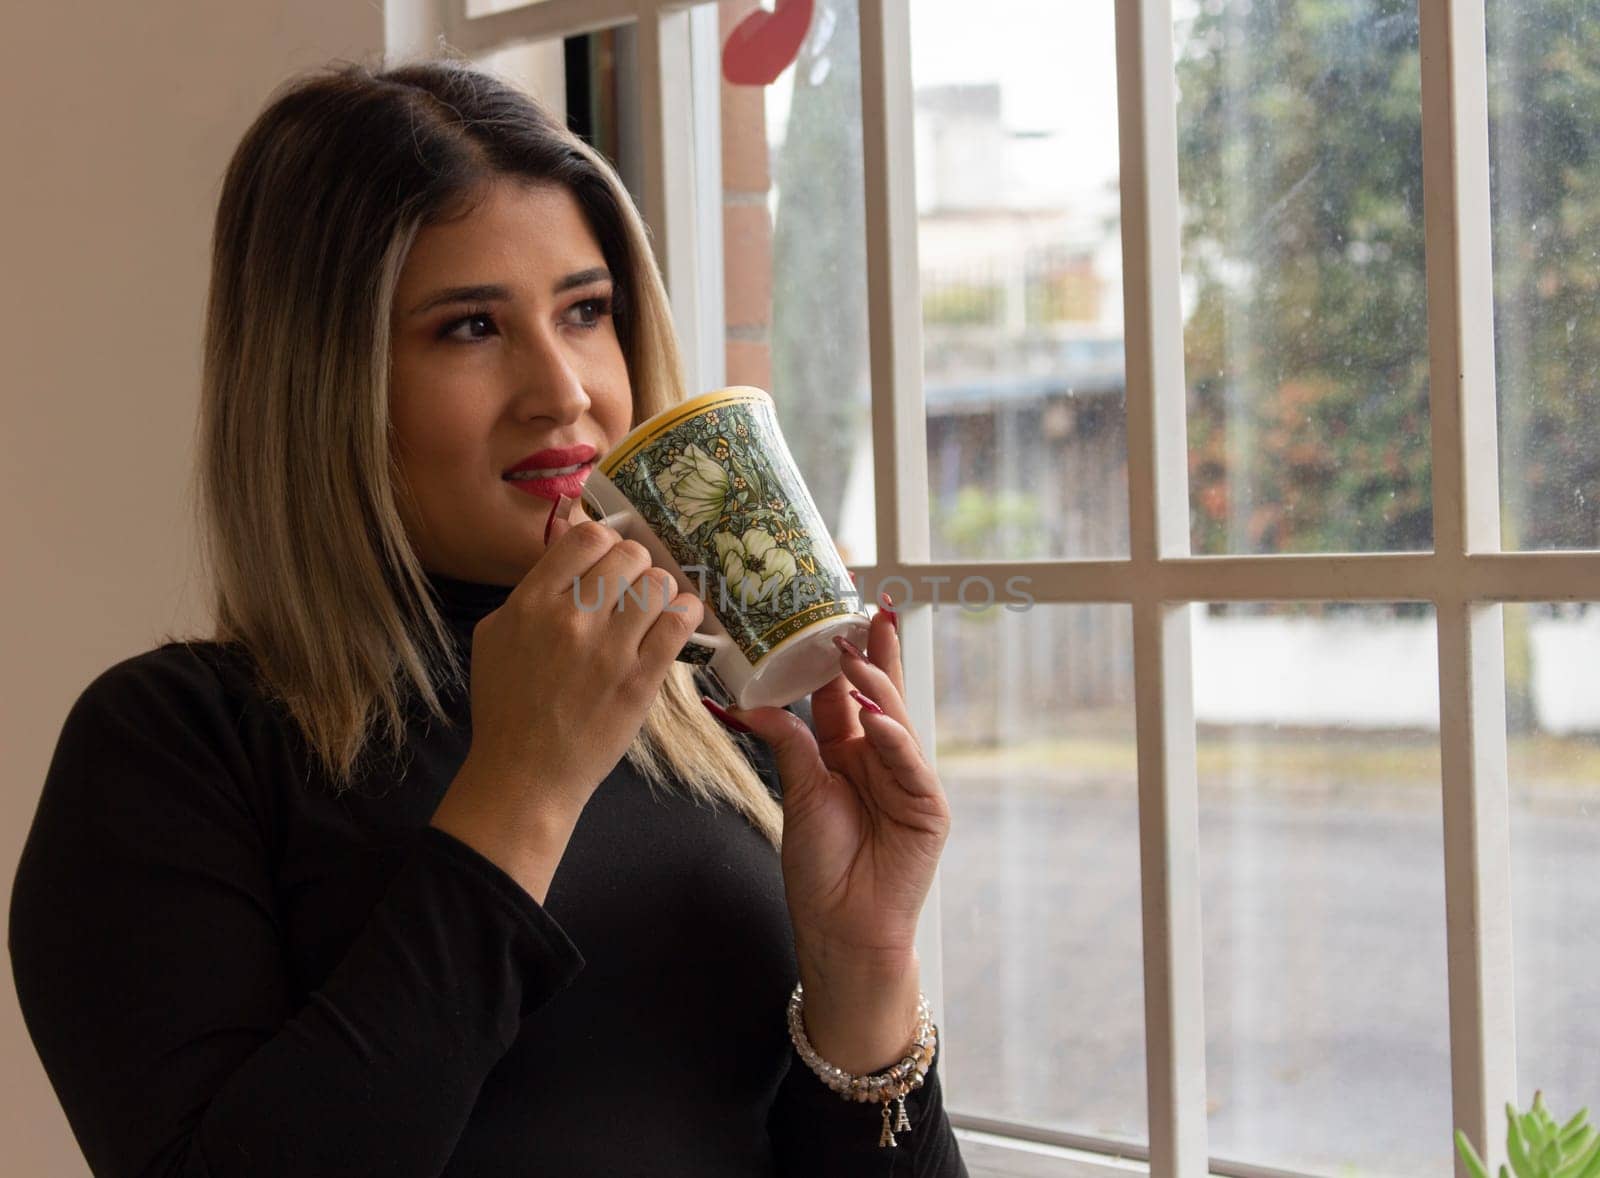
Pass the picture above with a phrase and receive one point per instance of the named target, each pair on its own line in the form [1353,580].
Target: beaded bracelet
[890,1085]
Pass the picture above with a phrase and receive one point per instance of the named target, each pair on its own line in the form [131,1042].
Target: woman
[414,867]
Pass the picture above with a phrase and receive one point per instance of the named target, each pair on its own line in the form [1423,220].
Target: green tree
[1301,169]
[1544,136]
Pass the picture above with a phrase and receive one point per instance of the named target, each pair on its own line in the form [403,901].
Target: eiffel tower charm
[887,1136]
[904,1122]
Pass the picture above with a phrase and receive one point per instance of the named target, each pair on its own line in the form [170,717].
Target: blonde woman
[414,866]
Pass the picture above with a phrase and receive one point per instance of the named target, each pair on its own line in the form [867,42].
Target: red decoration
[764,44]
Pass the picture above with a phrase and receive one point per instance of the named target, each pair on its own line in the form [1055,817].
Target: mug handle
[704,644]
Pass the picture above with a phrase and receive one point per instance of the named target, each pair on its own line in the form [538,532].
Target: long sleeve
[816,1132]
[146,948]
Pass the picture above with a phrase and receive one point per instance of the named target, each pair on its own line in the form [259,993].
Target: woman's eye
[589,312]
[450,329]
[585,315]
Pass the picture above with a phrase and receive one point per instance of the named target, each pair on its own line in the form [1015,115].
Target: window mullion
[894,306]
[711,343]
[667,109]
[1466,492]
[1477,868]
[1158,529]
[899,422]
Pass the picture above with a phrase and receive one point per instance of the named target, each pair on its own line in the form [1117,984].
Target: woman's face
[482,381]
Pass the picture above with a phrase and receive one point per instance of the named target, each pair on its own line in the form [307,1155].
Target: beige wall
[118,120]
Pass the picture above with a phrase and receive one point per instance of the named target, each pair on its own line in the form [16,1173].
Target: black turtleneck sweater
[228,971]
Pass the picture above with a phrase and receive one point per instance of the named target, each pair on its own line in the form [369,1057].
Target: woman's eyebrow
[582,278]
[490,292]
[462,294]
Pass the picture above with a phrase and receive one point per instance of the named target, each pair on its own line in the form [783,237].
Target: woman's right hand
[561,682]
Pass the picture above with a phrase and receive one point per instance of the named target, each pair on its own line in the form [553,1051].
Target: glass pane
[1553,717]
[1040,895]
[794,259]
[1322,867]
[1544,142]
[1019,243]
[1300,168]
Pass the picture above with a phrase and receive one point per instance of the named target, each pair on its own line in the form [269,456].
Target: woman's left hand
[865,820]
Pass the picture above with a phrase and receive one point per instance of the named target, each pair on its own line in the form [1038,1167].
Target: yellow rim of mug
[755,666]
[633,442]
[772,650]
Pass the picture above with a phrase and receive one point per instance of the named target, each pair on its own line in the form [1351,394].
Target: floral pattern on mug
[694,487]
[716,500]
[753,565]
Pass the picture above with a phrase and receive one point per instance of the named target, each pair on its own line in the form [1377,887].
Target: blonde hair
[308,562]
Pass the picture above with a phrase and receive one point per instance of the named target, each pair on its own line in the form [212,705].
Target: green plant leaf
[1549,1159]
[1592,1170]
[1516,1148]
[1584,1162]
[1533,1132]
[1574,1128]
[1470,1156]
[1577,1152]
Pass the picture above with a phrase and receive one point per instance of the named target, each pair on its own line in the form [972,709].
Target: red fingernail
[847,646]
[852,577]
[867,703]
[888,608]
[716,710]
[551,519]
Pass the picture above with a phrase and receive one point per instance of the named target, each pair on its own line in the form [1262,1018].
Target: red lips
[764,43]
[555,457]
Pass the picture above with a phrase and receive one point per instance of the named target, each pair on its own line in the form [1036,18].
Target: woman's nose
[550,385]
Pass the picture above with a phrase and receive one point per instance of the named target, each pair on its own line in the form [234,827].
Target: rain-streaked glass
[1553,760]
[1304,285]
[1544,144]
[1040,897]
[1322,872]
[1020,258]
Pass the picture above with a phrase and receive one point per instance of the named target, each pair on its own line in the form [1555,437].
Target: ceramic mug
[710,488]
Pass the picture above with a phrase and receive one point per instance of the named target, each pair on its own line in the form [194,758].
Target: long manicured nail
[888,608]
[847,646]
[720,713]
[867,703]
[551,518]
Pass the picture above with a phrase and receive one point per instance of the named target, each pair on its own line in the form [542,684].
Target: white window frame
[1466,577]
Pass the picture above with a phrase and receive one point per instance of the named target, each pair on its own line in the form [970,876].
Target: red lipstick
[555,457]
[552,473]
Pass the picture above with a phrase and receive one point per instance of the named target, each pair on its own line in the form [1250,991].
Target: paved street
[1324,958]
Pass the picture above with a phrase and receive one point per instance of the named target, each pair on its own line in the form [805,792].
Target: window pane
[1040,895]
[1019,241]
[1553,713]
[1300,168]
[1322,868]
[794,260]
[1544,136]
